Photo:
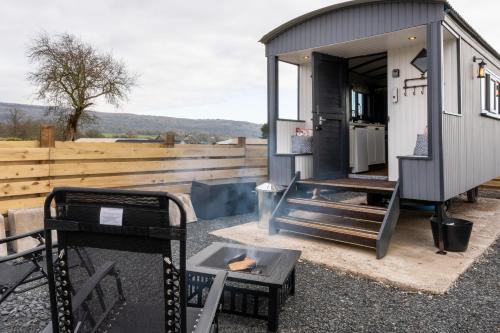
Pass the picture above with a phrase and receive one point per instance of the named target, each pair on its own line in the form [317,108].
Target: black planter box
[223,197]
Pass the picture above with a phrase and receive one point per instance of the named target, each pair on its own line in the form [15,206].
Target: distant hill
[116,123]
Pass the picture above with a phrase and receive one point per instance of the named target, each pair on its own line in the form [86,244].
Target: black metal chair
[24,267]
[141,260]
[28,268]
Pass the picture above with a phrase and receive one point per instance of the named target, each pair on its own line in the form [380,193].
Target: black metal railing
[292,188]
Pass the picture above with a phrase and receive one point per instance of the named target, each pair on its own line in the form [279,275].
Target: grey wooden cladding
[281,169]
[355,22]
[471,143]
[419,179]
[422,179]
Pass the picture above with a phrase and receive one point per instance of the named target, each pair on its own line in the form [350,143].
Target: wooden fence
[492,184]
[31,169]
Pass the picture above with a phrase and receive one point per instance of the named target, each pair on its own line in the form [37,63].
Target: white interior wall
[305,94]
[407,117]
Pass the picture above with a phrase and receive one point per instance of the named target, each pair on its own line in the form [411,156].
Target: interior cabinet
[379,145]
[360,151]
[369,152]
[372,145]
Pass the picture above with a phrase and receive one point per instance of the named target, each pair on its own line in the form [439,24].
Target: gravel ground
[331,301]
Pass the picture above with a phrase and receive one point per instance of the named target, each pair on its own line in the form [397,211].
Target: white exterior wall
[407,117]
[285,129]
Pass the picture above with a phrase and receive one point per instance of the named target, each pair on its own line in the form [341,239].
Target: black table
[246,293]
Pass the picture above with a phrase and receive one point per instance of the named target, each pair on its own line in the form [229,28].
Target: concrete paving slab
[411,263]
[174,213]
[24,220]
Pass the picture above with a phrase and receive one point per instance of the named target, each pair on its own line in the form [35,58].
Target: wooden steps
[334,220]
[312,228]
[339,208]
[342,222]
[357,185]
[357,224]
[338,221]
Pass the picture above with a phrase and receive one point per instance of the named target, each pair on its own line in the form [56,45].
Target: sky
[195,59]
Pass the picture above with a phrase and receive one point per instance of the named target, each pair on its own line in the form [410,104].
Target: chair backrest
[132,231]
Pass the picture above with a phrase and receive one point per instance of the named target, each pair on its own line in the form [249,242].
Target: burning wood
[242,265]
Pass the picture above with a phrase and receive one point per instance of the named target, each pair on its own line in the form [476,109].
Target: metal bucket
[268,196]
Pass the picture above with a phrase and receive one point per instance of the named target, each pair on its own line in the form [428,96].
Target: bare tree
[15,122]
[71,75]
[19,126]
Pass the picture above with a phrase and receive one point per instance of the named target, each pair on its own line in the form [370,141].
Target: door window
[358,105]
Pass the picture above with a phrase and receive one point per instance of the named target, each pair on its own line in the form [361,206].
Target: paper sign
[111,216]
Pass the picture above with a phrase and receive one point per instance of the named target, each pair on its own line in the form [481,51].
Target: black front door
[330,122]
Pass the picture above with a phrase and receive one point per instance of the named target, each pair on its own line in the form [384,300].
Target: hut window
[451,72]
[490,86]
[288,79]
[358,104]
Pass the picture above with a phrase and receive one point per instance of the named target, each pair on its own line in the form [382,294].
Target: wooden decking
[355,184]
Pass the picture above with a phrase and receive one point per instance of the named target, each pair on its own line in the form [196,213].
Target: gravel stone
[328,300]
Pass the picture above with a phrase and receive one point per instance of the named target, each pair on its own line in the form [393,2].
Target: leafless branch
[71,75]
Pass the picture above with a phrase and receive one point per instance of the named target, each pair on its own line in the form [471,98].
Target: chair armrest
[39,232]
[212,303]
[89,285]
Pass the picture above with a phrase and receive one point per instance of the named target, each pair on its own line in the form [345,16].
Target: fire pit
[242,259]
[263,278]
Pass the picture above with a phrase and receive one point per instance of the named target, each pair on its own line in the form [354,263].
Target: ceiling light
[306,57]
[412,38]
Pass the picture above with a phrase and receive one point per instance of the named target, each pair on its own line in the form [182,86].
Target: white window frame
[494,100]
[283,116]
[459,71]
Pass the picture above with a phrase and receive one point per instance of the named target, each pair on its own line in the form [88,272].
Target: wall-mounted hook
[414,91]
[423,90]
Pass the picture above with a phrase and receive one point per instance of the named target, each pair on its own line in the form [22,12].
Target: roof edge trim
[303,18]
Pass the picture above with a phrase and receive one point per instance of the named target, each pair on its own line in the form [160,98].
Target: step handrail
[389,224]
[279,207]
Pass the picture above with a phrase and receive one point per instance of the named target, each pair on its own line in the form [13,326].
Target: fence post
[47,140]
[170,140]
[242,142]
[47,136]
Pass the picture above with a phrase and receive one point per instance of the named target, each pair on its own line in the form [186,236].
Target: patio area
[411,263]
[327,299]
